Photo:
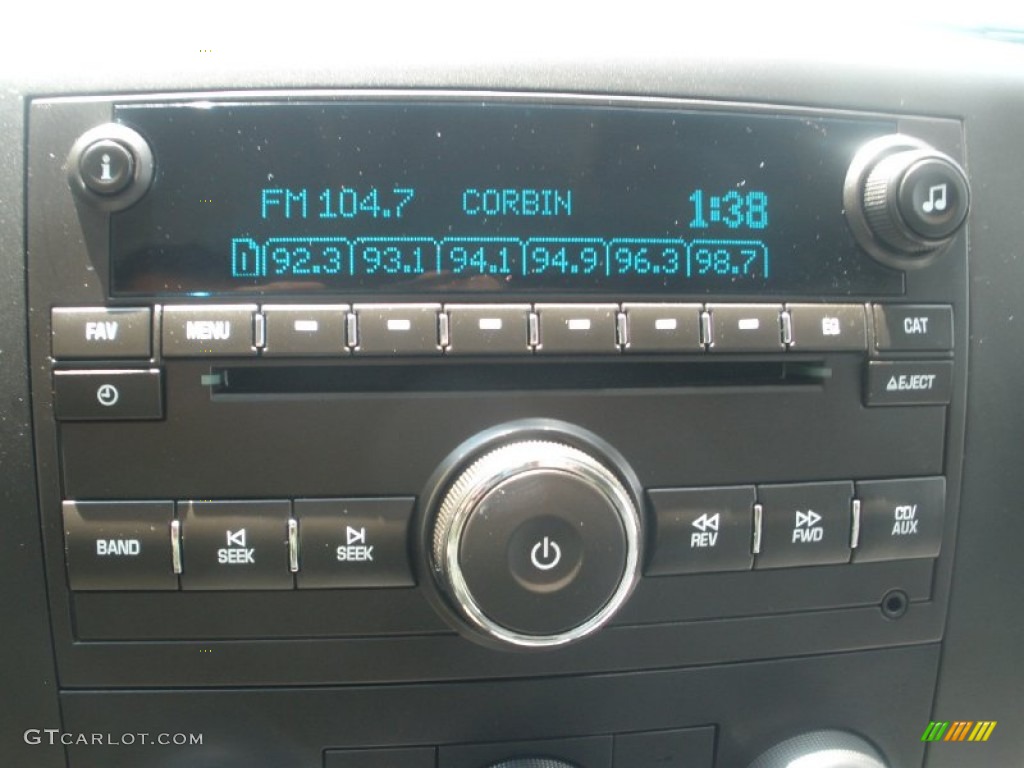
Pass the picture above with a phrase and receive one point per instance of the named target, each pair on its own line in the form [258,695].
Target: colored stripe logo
[959,730]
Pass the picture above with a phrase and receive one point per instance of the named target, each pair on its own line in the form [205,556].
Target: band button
[119,545]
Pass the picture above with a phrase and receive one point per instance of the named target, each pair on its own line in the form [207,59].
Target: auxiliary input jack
[895,604]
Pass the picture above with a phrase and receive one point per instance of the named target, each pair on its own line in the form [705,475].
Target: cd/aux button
[900,518]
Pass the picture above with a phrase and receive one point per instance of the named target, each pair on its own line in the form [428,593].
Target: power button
[544,554]
[536,544]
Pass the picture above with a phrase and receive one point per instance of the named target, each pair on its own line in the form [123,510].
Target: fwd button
[805,524]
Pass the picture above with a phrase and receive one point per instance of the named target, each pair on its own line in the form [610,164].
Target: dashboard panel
[542,412]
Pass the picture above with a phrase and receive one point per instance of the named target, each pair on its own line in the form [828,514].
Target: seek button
[354,543]
[235,545]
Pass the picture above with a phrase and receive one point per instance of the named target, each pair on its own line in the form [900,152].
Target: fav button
[900,518]
[804,524]
[235,545]
[354,543]
[101,333]
[119,545]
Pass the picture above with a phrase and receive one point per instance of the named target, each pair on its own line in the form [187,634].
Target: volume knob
[905,200]
[821,749]
[536,544]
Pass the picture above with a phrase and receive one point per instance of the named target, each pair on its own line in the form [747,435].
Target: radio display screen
[491,198]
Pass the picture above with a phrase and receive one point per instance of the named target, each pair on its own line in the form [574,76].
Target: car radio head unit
[589,375]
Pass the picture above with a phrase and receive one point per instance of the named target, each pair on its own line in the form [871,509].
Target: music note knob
[905,201]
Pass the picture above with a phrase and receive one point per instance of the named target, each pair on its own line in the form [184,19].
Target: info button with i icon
[106,167]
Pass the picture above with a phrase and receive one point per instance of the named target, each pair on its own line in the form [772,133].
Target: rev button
[702,529]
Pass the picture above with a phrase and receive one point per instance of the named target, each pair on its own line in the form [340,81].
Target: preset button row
[301,330]
[780,526]
[230,545]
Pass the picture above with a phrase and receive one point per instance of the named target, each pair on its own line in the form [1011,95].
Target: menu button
[202,331]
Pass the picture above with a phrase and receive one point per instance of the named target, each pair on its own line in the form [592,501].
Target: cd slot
[511,377]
